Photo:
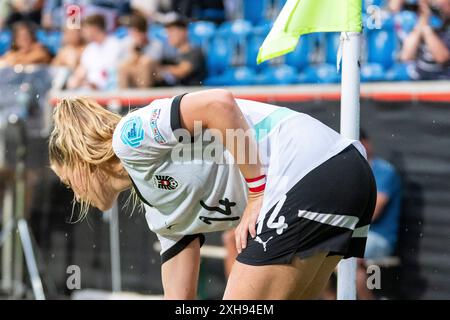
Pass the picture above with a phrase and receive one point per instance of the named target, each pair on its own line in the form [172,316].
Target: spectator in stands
[22,10]
[69,54]
[429,48]
[189,66]
[100,58]
[25,49]
[383,233]
[68,57]
[144,55]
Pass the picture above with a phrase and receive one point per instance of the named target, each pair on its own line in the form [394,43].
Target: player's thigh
[319,282]
[280,281]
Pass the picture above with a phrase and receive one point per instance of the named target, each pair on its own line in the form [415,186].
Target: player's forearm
[437,47]
[411,45]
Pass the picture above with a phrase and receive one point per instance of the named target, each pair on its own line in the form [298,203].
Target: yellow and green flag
[300,17]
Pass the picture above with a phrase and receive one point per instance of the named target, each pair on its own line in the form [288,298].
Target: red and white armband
[257,184]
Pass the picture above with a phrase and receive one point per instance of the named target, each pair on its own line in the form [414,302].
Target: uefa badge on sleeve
[132,132]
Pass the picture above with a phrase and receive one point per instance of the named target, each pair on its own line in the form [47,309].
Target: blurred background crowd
[104,45]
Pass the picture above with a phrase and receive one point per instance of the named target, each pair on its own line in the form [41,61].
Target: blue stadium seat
[233,77]
[157,31]
[255,40]
[330,42]
[51,40]
[399,72]
[240,76]
[320,73]
[219,56]
[301,56]
[213,81]
[255,10]
[253,46]
[237,28]
[382,44]
[5,41]
[54,41]
[372,72]
[121,32]
[201,32]
[229,45]
[278,75]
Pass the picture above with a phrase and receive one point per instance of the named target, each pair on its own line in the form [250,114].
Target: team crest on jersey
[132,132]
[165,182]
[159,138]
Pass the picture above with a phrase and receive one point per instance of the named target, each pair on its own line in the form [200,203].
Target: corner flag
[300,17]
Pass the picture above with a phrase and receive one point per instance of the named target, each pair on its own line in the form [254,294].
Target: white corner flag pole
[350,117]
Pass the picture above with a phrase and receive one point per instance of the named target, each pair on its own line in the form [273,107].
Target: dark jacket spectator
[211,10]
[429,48]
[189,66]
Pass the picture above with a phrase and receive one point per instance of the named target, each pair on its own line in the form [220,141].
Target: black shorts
[328,210]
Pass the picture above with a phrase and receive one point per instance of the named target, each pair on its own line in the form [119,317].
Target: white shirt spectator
[100,61]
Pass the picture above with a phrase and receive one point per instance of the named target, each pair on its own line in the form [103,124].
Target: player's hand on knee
[248,221]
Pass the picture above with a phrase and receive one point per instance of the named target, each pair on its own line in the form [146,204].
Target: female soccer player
[300,195]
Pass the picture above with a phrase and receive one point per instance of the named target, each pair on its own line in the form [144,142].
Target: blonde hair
[81,141]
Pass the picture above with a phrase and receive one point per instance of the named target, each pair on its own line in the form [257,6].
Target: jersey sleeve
[148,133]
[173,245]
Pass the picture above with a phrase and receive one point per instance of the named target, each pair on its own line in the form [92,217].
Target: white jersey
[198,195]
